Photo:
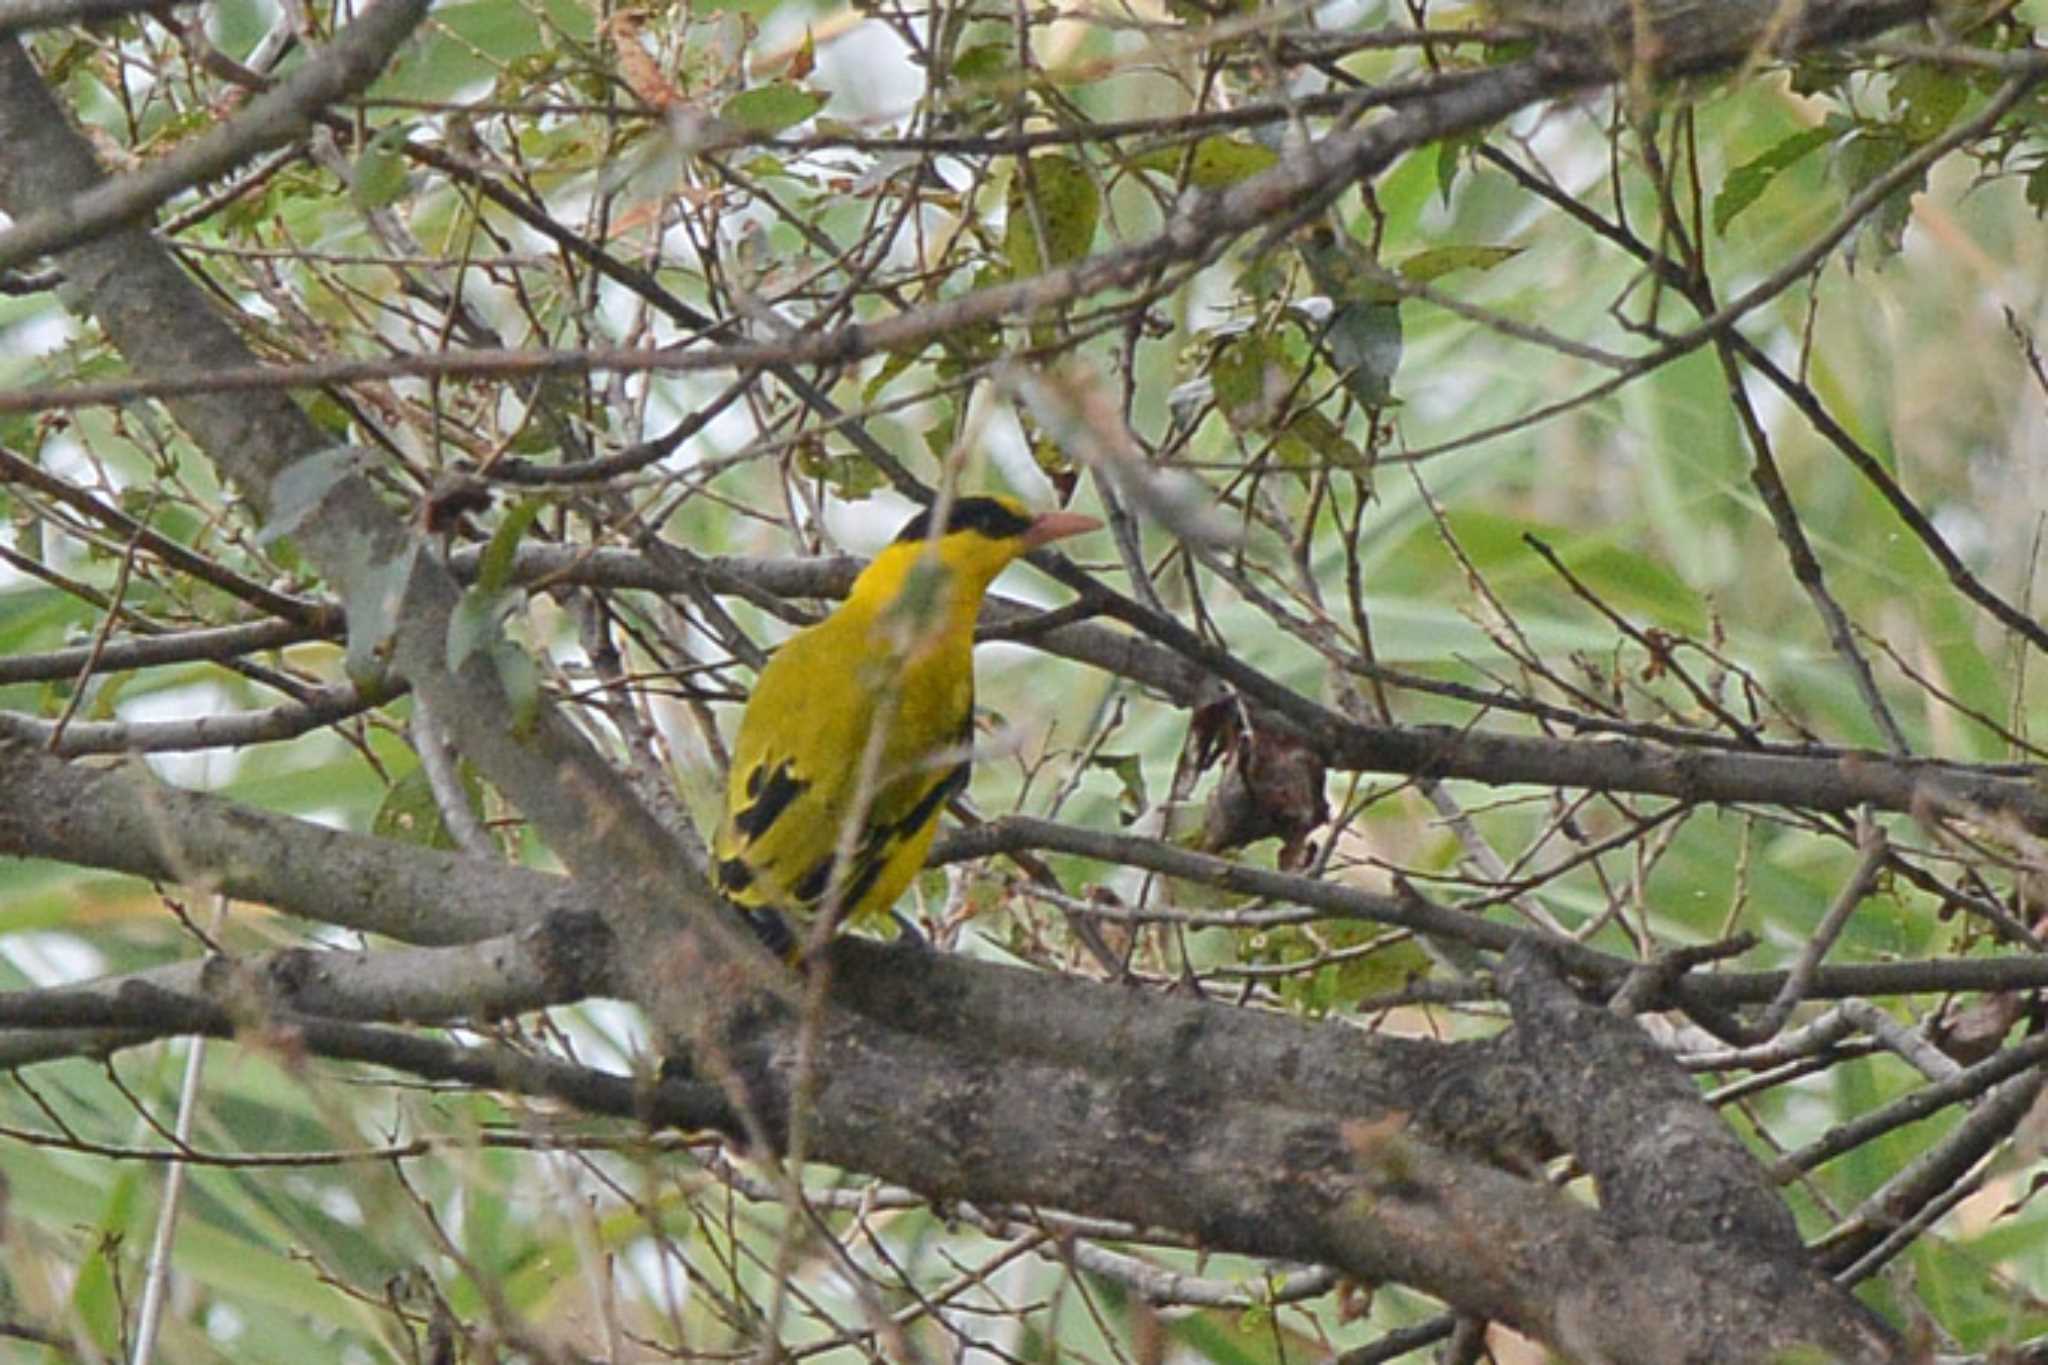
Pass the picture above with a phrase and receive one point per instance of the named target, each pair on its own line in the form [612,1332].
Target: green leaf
[378,176]
[376,593]
[330,416]
[985,62]
[523,75]
[1213,163]
[1266,279]
[1129,770]
[770,109]
[1450,160]
[1363,335]
[893,365]
[1823,73]
[95,1297]
[494,567]
[1927,99]
[1313,440]
[850,477]
[1248,377]
[1343,269]
[474,629]
[1438,261]
[465,43]
[410,814]
[1865,155]
[1067,202]
[473,625]
[1747,182]
[1218,1340]
[301,487]
[749,8]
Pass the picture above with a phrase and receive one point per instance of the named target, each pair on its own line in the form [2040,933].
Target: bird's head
[983,533]
[979,537]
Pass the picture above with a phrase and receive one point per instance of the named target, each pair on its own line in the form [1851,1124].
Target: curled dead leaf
[1970,1033]
[1272,784]
[454,498]
[636,66]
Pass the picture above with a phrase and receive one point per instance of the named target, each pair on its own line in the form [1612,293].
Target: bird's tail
[773,931]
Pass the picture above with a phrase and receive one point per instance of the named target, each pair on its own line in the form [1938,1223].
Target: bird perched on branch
[860,727]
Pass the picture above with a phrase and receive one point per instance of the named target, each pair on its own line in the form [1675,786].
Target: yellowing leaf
[1213,163]
[1249,380]
[1313,440]
[804,60]
[1059,192]
[1438,261]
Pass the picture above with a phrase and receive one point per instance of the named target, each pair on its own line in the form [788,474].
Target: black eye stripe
[985,515]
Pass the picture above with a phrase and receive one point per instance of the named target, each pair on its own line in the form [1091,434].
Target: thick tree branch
[123,819]
[1662,1157]
[923,1031]
[1253,1175]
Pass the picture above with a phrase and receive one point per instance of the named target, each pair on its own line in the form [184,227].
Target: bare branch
[20,15]
[212,730]
[352,61]
[561,959]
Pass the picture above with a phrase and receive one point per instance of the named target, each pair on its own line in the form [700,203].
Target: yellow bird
[859,728]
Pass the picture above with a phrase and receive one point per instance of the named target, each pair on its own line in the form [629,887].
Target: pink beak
[1051,526]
